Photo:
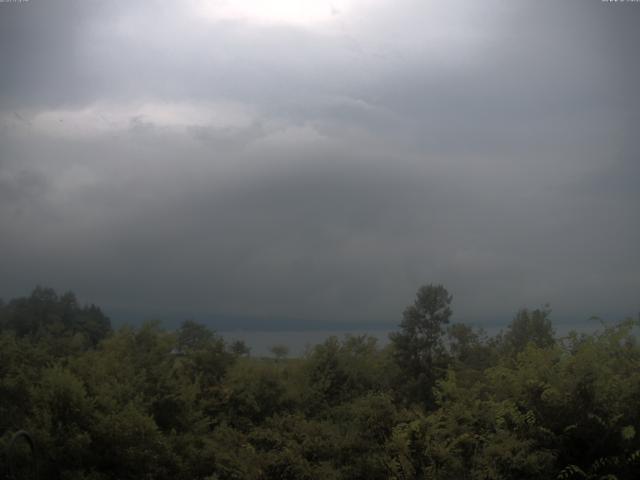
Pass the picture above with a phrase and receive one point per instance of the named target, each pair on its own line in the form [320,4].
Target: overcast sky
[319,161]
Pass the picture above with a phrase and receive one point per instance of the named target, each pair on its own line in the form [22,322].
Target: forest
[442,400]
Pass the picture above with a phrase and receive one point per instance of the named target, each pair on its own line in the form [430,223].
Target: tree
[193,335]
[66,325]
[418,345]
[469,350]
[240,348]
[530,327]
[280,351]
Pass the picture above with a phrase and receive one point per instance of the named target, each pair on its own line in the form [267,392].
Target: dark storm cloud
[153,159]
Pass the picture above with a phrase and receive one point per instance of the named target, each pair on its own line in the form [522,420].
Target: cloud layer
[319,162]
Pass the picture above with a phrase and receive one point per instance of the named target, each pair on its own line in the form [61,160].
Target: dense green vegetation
[441,401]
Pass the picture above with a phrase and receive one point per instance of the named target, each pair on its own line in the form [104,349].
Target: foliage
[418,346]
[529,327]
[440,402]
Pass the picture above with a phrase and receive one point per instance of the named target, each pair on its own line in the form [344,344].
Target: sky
[313,163]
